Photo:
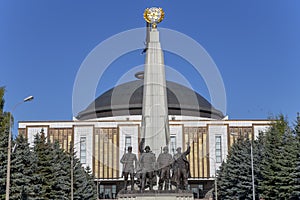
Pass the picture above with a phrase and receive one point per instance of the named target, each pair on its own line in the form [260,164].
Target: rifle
[141,145]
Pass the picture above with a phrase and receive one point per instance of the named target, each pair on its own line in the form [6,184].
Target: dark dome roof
[126,99]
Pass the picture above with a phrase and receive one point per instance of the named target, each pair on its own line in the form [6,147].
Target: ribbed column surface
[155,126]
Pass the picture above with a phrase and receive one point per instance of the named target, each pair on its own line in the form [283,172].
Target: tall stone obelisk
[155,122]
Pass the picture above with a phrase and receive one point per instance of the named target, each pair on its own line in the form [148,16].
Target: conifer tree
[244,184]
[60,183]
[235,175]
[295,195]
[287,162]
[4,128]
[79,179]
[42,184]
[84,186]
[258,156]
[271,166]
[222,182]
[42,172]
[91,190]
[23,168]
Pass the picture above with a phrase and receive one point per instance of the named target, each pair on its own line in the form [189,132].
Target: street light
[9,146]
[216,188]
[252,168]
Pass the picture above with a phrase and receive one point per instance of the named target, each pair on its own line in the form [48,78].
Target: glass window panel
[107,193]
[101,188]
[83,150]
[173,144]
[127,141]
[114,188]
[218,146]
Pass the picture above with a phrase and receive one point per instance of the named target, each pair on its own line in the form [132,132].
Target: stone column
[155,124]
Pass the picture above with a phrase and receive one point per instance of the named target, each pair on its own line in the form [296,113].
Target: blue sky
[255,45]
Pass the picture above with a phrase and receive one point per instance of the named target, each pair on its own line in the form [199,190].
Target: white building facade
[100,143]
[101,133]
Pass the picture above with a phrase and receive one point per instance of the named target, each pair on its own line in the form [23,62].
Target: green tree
[54,173]
[296,174]
[222,182]
[41,172]
[234,180]
[287,162]
[60,183]
[258,154]
[91,189]
[44,176]
[276,156]
[84,186]
[4,129]
[271,166]
[235,175]
[23,167]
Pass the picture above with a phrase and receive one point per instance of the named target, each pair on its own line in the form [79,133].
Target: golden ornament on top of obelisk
[154,16]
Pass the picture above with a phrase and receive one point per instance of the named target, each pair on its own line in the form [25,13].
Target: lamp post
[9,147]
[252,168]
[216,188]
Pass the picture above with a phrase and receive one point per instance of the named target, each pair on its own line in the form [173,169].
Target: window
[101,192]
[114,191]
[195,192]
[107,194]
[127,141]
[83,150]
[218,149]
[107,191]
[173,144]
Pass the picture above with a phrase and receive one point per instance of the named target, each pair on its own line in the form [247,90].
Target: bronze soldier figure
[147,164]
[164,162]
[181,168]
[129,165]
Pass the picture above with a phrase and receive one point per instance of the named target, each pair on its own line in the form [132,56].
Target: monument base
[155,195]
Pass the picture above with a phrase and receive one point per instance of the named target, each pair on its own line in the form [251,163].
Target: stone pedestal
[155,195]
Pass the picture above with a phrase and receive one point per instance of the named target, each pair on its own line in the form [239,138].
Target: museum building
[111,123]
[116,119]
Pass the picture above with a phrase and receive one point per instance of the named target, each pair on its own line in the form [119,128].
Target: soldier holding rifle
[129,165]
[181,168]
[147,164]
[164,162]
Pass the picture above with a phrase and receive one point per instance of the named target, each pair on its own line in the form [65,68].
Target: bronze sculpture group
[171,171]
